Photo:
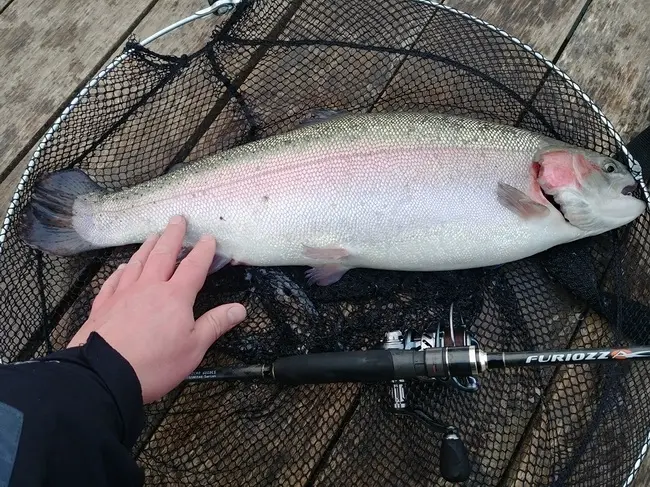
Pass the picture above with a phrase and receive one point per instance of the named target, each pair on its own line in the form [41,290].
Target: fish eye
[609,167]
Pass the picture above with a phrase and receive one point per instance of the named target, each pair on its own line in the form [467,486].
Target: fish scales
[393,187]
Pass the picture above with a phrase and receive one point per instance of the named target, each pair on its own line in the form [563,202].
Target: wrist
[118,379]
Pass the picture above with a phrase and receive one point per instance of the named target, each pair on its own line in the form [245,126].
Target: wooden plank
[323,75]
[49,49]
[4,4]
[438,85]
[525,387]
[542,25]
[608,57]
[569,407]
[290,429]
[643,476]
[185,40]
[10,182]
[157,114]
[164,13]
[551,434]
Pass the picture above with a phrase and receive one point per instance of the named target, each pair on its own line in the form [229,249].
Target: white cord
[220,7]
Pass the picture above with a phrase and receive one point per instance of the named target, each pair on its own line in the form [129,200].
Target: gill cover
[588,187]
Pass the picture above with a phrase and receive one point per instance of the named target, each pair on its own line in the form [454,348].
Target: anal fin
[520,203]
[325,275]
[218,262]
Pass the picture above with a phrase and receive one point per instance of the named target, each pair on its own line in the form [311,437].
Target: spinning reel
[449,356]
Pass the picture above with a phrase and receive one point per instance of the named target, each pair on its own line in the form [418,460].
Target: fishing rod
[387,365]
[450,356]
[444,354]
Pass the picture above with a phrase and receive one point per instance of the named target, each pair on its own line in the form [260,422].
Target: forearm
[75,415]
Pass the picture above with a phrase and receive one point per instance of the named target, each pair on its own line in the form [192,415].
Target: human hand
[144,310]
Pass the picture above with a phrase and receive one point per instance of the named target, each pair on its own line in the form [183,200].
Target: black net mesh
[259,75]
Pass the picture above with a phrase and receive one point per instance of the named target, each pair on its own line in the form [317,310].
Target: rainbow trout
[393,191]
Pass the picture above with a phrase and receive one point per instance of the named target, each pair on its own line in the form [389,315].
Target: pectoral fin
[520,203]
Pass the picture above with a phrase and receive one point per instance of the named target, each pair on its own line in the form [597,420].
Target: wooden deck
[48,49]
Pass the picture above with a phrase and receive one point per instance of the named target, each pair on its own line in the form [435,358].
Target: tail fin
[47,222]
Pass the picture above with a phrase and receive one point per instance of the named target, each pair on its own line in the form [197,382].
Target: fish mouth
[629,189]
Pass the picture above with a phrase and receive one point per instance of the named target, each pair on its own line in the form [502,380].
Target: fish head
[593,192]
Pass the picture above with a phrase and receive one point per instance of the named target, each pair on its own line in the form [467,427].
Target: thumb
[218,321]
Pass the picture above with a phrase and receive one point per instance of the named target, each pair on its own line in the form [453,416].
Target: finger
[109,287]
[216,322]
[134,267]
[162,261]
[193,269]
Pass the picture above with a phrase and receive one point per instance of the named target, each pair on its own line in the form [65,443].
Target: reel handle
[454,459]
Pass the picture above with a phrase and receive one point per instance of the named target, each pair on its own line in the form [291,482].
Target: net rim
[222,7]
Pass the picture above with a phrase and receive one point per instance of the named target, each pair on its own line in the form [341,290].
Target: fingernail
[236,314]
[121,266]
[206,238]
[176,220]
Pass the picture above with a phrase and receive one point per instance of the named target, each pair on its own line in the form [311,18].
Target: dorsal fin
[320,115]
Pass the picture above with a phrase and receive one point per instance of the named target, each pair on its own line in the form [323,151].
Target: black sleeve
[75,416]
